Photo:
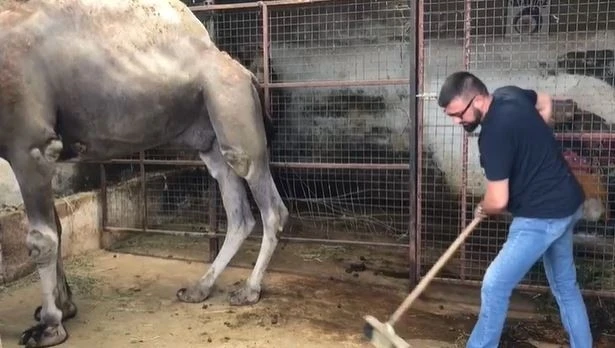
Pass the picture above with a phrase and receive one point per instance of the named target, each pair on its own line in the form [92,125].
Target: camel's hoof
[43,335]
[245,296]
[192,295]
[69,311]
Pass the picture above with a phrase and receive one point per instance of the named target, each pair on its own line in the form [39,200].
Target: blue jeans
[528,240]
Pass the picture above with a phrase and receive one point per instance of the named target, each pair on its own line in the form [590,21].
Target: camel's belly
[135,100]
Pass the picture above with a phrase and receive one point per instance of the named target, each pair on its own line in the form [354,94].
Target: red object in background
[589,179]
[577,162]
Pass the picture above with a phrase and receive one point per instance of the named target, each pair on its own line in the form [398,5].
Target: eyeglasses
[460,114]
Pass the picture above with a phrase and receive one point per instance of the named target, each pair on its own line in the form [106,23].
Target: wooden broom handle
[434,270]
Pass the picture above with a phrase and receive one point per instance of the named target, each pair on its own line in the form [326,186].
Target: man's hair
[460,84]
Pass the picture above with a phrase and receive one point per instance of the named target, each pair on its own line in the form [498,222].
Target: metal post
[464,158]
[103,197]
[143,190]
[214,243]
[413,230]
[265,53]
[419,130]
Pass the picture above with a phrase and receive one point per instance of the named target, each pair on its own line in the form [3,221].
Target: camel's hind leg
[234,112]
[234,108]
[274,216]
[239,220]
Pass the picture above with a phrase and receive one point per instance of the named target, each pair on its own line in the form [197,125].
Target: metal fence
[558,47]
[337,81]
[362,153]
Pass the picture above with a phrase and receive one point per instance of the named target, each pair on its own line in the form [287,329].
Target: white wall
[503,62]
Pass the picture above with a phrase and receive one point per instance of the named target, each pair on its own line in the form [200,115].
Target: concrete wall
[80,216]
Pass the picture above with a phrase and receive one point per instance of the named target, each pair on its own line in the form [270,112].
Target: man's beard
[471,126]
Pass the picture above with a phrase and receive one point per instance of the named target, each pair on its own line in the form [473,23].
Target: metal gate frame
[424,95]
[415,83]
[213,233]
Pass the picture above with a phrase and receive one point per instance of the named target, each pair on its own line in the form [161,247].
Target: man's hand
[479,213]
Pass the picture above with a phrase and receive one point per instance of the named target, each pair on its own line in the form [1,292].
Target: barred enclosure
[338,83]
[564,48]
[363,155]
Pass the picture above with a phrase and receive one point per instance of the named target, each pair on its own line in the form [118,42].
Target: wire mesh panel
[337,77]
[341,40]
[563,48]
[365,205]
[357,124]
[180,199]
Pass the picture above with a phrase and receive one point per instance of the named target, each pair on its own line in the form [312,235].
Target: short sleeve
[531,94]
[497,150]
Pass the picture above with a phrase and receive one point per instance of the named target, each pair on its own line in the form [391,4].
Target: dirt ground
[129,301]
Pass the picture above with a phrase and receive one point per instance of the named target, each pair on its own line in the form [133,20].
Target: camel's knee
[238,160]
[42,244]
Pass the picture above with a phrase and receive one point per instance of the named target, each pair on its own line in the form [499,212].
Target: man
[527,176]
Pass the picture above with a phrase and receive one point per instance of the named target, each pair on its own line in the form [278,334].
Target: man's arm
[544,105]
[495,200]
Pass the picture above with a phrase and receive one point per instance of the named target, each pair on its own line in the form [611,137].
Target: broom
[382,335]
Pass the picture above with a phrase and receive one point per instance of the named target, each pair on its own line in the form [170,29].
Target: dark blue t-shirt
[517,144]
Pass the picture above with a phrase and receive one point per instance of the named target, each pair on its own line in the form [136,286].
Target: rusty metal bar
[247,5]
[214,245]
[266,82]
[150,161]
[295,165]
[339,83]
[585,136]
[317,165]
[412,150]
[420,36]
[207,234]
[254,236]
[144,189]
[464,165]
[103,196]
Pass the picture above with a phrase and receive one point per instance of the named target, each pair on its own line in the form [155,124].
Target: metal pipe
[316,165]
[419,132]
[585,136]
[339,83]
[296,165]
[214,247]
[412,150]
[253,236]
[103,196]
[464,156]
[266,77]
[144,189]
[246,5]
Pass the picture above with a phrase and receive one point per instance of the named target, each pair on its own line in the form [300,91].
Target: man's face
[464,113]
